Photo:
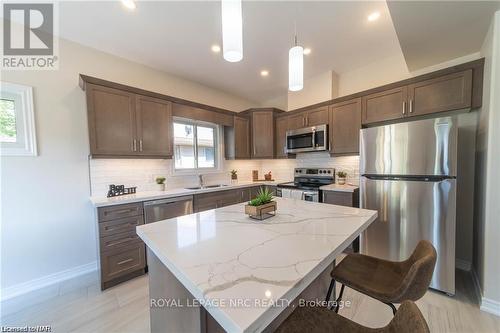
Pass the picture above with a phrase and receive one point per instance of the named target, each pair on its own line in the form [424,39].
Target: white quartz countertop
[100,201]
[339,188]
[223,256]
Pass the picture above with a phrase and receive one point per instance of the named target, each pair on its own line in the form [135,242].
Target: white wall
[319,88]
[47,220]
[487,226]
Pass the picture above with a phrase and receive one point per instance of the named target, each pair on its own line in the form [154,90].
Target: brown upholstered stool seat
[408,318]
[378,278]
[388,281]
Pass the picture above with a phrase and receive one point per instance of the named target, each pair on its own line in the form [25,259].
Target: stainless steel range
[306,183]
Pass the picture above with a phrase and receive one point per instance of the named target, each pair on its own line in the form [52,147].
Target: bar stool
[387,281]
[408,318]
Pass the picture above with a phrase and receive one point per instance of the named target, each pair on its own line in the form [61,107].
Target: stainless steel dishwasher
[163,209]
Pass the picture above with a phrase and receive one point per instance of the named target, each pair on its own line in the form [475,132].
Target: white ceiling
[176,37]
[431,32]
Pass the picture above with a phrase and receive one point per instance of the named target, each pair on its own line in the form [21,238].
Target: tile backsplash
[142,172]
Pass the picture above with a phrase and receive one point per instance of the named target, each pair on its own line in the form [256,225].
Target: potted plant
[234,175]
[341,176]
[160,183]
[262,206]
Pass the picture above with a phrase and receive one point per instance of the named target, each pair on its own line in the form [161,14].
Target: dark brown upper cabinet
[296,120]
[386,105]
[262,124]
[111,121]
[440,94]
[281,126]
[445,93]
[127,124]
[316,117]
[237,139]
[154,126]
[344,126]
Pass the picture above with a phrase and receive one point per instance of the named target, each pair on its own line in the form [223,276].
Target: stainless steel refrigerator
[408,173]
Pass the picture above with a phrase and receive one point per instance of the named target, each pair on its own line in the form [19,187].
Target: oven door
[307,139]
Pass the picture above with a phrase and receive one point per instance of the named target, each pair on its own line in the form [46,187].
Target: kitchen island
[219,270]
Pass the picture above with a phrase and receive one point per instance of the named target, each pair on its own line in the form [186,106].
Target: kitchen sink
[206,186]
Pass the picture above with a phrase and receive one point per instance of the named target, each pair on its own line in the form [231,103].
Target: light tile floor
[124,308]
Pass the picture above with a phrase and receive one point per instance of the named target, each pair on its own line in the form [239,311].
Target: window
[195,145]
[17,124]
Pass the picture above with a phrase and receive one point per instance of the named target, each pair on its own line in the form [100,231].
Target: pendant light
[296,66]
[232,30]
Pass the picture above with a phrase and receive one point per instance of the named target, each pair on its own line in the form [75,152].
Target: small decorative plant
[234,174]
[262,206]
[160,181]
[264,196]
[341,176]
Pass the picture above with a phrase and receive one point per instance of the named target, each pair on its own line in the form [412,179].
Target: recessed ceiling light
[215,48]
[264,72]
[374,16]
[129,4]
[307,51]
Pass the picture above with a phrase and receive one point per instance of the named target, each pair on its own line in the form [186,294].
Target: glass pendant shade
[296,68]
[232,30]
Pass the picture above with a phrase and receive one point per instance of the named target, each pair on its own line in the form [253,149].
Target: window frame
[25,121]
[217,147]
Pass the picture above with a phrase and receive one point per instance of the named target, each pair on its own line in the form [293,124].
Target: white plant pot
[160,187]
[341,181]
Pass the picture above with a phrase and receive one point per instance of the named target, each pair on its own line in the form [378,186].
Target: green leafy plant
[234,173]
[160,180]
[341,174]
[263,197]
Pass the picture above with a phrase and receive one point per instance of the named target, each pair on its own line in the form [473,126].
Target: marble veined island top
[222,256]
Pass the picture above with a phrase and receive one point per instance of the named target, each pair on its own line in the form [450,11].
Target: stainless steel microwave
[307,139]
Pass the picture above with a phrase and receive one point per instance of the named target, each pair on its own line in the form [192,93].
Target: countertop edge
[171,193]
[271,313]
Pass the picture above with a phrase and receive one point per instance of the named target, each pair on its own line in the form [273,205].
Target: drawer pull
[121,211]
[125,261]
[124,240]
[130,224]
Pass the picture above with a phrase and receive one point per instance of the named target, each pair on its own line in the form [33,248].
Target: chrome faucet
[200,179]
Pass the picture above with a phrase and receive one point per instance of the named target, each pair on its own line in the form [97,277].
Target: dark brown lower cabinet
[349,199]
[218,199]
[122,252]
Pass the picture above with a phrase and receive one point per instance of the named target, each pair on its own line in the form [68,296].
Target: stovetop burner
[310,178]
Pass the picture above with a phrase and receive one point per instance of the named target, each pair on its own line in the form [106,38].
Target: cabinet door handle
[140,144]
[135,145]
[411,106]
[124,261]
[404,107]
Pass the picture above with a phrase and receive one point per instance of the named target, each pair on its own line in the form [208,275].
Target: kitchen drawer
[120,240]
[349,199]
[109,228]
[123,261]
[119,211]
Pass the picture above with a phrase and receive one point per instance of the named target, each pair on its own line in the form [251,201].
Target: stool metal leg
[337,305]
[330,289]
[392,307]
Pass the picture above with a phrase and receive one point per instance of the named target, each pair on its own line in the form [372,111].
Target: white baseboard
[463,264]
[490,306]
[26,294]
[46,281]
